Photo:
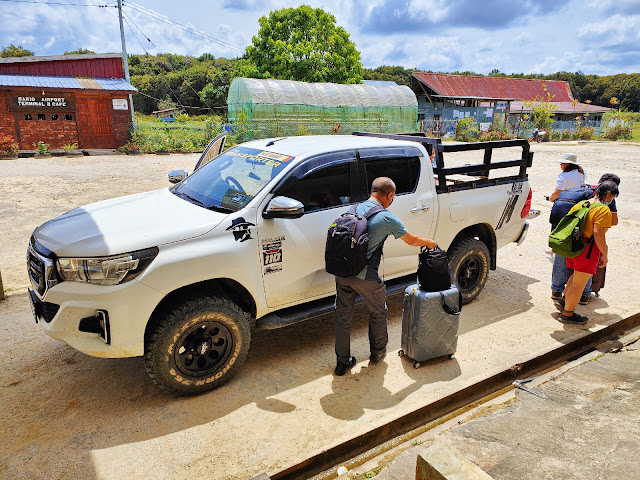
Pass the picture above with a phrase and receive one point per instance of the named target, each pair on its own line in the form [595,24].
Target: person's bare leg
[573,291]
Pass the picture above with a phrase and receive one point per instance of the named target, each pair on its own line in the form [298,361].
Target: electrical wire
[61,3]
[174,69]
[159,17]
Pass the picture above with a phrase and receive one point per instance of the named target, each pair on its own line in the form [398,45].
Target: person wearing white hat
[572,175]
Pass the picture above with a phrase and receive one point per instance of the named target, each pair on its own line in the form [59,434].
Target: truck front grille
[36,270]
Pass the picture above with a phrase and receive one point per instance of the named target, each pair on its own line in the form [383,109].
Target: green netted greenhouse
[274,108]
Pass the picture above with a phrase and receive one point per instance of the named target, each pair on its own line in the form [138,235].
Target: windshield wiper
[200,203]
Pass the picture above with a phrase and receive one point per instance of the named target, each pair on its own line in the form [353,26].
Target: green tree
[304,44]
[13,51]
[80,51]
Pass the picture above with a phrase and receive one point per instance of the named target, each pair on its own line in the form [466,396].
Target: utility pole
[125,62]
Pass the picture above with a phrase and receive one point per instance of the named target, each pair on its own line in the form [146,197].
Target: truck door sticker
[240,228]
[514,195]
[272,255]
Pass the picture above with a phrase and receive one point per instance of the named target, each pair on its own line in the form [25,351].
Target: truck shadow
[104,403]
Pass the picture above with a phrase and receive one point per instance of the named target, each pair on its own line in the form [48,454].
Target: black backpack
[434,274]
[566,200]
[345,253]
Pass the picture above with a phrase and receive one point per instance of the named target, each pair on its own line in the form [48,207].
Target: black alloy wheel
[203,348]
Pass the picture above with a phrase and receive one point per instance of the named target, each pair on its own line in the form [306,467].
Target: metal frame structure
[479,171]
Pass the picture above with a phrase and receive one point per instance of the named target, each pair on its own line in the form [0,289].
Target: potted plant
[8,148]
[132,148]
[43,150]
[71,150]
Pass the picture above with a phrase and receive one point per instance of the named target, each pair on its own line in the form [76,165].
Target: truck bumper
[523,234]
[97,320]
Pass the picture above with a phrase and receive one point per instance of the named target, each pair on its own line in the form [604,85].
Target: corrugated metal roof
[563,107]
[32,59]
[466,86]
[58,81]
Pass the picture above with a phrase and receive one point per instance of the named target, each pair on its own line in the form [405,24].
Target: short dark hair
[606,187]
[611,177]
[383,185]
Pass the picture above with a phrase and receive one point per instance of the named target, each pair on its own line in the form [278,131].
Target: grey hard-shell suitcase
[430,323]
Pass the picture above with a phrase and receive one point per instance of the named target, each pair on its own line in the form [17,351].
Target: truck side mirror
[283,207]
[176,176]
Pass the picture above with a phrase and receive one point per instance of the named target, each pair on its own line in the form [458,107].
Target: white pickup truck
[178,275]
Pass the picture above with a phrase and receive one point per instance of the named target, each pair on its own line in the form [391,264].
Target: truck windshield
[232,179]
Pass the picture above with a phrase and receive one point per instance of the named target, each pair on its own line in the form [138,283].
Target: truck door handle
[419,209]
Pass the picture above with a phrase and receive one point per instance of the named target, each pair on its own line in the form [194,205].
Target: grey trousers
[373,293]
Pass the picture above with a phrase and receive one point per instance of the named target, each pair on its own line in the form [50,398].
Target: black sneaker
[341,368]
[559,304]
[556,295]
[575,318]
[584,299]
[376,357]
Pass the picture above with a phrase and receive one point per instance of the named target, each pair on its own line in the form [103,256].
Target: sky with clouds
[599,37]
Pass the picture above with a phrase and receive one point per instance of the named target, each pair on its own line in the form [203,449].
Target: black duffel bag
[434,274]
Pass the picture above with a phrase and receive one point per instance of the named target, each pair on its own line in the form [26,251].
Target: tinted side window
[404,171]
[324,188]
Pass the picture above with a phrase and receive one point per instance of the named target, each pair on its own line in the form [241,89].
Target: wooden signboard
[36,102]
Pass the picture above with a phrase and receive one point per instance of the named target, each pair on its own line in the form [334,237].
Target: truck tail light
[527,205]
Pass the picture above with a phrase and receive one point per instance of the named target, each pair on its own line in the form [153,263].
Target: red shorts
[583,264]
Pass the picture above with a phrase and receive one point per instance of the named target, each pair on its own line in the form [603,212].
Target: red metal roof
[563,107]
[466,86]
[106,65]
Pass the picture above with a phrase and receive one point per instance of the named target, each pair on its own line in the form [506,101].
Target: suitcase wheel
[416,364]
[401,353]
[451,355]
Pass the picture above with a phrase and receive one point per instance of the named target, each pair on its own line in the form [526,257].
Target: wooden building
[67,99]
[443,99]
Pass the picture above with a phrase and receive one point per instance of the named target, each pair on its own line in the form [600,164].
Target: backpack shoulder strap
[372,211]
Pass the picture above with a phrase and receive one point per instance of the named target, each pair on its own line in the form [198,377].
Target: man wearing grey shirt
[367,283]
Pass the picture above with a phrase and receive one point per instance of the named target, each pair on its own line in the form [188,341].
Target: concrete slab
[64,414]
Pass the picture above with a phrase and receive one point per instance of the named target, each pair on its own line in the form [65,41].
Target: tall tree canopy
[303,44]
[13,51]
[80,51]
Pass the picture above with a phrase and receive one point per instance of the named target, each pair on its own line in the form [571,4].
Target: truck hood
[126,224]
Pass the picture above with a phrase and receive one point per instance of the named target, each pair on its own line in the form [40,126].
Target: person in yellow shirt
[595,255]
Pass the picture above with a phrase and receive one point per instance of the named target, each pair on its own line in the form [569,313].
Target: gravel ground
[66,415]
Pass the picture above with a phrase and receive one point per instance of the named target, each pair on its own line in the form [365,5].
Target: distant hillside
[200,84]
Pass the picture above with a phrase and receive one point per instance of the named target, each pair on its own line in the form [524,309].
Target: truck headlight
[110,270]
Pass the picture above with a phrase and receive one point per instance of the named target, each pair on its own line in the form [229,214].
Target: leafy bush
[555,136]
[43,148]
[583,133]
[493,135]
[618,132]
[70,147]
[467,130]
[566,134]
[8,145]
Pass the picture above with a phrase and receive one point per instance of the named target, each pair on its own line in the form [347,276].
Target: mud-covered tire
[470,262]
[197,346]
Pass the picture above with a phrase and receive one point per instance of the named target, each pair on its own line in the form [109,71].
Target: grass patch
[373,472]
[635,134]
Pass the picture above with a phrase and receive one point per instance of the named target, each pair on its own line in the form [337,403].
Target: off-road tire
[470,261]
[219,334]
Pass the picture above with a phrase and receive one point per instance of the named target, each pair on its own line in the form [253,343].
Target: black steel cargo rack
[479,171]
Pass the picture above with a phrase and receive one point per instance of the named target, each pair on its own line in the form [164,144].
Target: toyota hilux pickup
[181,274]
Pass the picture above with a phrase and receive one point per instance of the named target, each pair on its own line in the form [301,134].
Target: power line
[193,31]
[172,67]
[61,3]
[184,106]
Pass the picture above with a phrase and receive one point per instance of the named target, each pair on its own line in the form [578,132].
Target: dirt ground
[66,415]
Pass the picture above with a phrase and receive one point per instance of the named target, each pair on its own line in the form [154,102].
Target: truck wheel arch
[219,287]
[485,234]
